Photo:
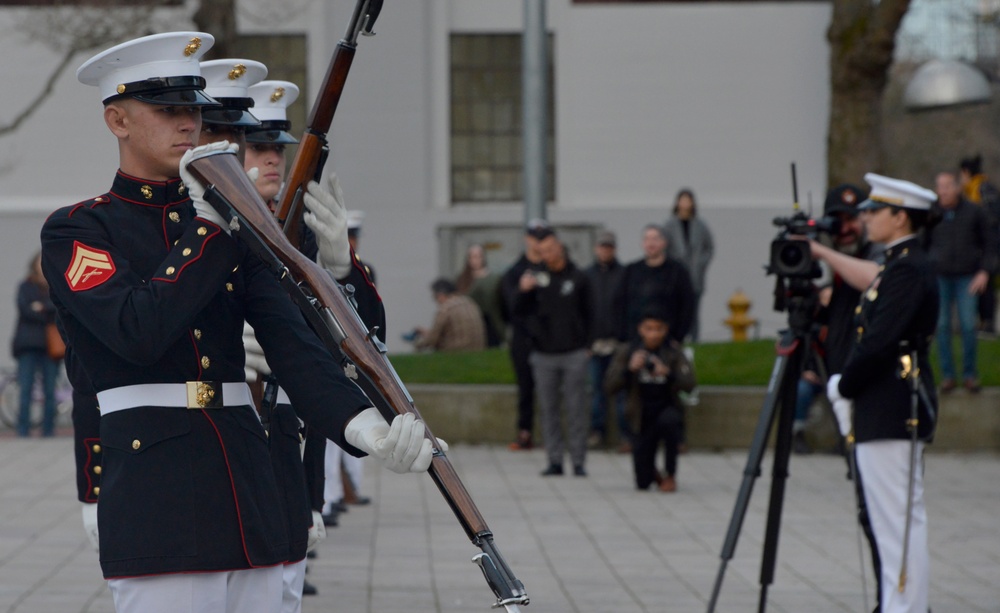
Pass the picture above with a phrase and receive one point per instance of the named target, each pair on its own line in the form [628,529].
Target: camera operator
[892,422]
[838,300]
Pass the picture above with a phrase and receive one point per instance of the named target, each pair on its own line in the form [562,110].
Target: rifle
[328,309]
[311,154]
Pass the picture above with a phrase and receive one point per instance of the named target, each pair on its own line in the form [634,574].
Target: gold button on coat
[197,334]
[229,287]
[174,216]
[205,362]
[170,270]
[187,251]
[136,444]
[96,448]
[97,491]
[202,231]
[97,470]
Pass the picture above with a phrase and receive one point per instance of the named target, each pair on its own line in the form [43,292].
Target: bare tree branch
[36,103]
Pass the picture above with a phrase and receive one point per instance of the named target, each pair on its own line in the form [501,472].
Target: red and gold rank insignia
[89,268]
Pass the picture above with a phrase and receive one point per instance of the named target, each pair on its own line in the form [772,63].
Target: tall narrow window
[486,151]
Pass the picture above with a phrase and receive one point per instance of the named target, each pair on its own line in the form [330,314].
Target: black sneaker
[308,589]
[553,470]
[579,471]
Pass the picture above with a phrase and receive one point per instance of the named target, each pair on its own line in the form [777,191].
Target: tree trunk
[862,39]
[218,18]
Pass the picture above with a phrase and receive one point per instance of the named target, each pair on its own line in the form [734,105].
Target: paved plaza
[581,545]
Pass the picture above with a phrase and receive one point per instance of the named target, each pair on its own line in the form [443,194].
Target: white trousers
[884,467]
[256,590]
[292,578]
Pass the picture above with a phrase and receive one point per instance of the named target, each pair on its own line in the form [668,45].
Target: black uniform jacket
[901,304]
[147,294]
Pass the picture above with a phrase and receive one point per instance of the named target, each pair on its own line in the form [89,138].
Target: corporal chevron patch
[88,268]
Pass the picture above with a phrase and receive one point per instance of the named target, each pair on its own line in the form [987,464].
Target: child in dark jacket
[653,370]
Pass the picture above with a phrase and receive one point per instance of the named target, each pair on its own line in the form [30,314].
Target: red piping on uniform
[88,442]
[197,355]
[364,275]
[236,500]
[201,252]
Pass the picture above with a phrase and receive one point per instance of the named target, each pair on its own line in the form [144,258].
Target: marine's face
[883,224]
[153,138]
[269,159]
[214,133]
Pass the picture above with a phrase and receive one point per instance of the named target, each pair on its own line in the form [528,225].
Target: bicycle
[10,399]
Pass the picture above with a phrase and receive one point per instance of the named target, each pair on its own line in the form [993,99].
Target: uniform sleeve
[319,390]
[369,303]
[136,318]
[879,344]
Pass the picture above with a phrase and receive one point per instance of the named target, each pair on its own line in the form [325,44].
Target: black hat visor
[167,91]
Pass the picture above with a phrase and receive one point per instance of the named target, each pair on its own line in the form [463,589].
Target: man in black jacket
[655,280]
[964,251]
[604,275]
[555,305]
[520,340]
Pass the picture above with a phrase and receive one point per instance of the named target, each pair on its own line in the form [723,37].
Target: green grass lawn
[715,363]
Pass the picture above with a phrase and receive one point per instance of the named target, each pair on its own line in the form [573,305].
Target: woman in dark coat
[34,311]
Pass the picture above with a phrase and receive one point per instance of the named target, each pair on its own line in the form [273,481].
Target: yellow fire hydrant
[739,303]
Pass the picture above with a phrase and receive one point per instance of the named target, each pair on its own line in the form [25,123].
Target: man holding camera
[555,306]
[887,383]
[838,300]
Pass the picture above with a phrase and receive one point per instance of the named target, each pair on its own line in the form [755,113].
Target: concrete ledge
[725,417]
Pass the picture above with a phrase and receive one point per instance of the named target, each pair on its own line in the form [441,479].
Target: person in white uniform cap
[151,292]
[885,399]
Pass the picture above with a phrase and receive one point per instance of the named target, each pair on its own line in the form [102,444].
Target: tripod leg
[786,347]
[779,474]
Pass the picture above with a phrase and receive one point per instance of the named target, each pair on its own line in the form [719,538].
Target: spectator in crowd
[520,339]
[34,312]
[653,370]
[964,252]
[655,279]
[690,241]
[481,284]
[555,305]
[458,323]
[604,276]
[978,189]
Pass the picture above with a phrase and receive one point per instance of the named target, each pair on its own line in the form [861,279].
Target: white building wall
[720,97]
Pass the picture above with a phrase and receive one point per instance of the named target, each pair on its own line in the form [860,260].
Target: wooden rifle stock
[338,324]
[312,150]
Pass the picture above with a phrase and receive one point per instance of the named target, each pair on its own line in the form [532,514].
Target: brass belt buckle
[204,394]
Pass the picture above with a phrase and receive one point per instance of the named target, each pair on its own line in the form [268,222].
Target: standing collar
[153,193]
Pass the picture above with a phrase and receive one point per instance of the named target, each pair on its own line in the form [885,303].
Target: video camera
[791,257]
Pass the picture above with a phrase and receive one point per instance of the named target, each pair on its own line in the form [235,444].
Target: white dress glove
[327,217]
[317,531]
[195,189]
[401,447]
[255,362]
[842,407]
[90,524]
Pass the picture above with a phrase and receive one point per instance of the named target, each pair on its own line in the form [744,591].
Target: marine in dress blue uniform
[896,316]
[152,300]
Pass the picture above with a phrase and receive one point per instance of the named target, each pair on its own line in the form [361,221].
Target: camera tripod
[779,404]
